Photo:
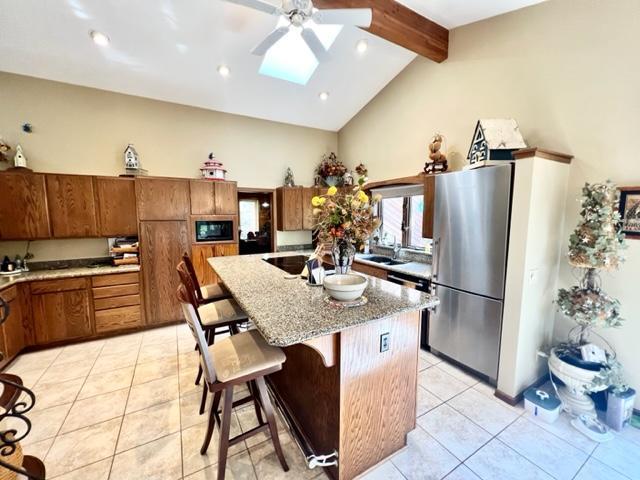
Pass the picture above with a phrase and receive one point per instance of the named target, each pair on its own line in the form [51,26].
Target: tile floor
[127,408]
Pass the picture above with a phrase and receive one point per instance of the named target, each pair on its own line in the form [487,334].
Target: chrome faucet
[396,250]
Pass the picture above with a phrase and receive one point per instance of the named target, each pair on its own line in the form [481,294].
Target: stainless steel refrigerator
[470,244]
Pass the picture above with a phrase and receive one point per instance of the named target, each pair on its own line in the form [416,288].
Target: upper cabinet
[116,199]
[226,198]
[210,197]
[72,208]
[289,208]
[202,197]
[428,211]
[23,209]
[162,199]
[308,222]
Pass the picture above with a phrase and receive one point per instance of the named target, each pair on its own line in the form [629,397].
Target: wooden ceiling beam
[400,25]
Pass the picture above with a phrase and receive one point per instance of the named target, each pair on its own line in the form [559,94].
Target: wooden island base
[341,393]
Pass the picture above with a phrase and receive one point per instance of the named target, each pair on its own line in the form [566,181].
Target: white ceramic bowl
[345,288]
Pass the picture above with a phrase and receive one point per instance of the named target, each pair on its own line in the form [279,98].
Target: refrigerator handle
[436,258]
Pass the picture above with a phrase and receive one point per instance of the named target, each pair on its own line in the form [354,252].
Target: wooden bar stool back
[204,293]
[242,358]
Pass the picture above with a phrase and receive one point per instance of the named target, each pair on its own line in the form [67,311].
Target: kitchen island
[349,382]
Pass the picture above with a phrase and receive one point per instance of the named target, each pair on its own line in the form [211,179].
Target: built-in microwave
[213,230]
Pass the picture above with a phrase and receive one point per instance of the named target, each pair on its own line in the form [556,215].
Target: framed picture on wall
[630,211]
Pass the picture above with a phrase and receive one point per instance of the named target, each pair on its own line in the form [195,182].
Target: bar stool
[241,358]
[205,293]
[223,314]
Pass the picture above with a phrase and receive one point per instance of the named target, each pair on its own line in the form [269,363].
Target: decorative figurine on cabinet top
[288,178]
[4,150]
[437,162]
[494,139]
[212,169]
[131,159]
[19,160]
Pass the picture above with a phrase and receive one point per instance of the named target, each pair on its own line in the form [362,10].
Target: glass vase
[343,252]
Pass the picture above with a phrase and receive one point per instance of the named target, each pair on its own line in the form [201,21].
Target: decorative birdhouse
[19,160]
[494,139]
[212,169]
[131,160]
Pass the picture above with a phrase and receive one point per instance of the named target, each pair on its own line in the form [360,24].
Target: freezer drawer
[467,328]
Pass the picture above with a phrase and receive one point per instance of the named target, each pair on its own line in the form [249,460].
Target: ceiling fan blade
[270,41]
[358,17]
[314,43]
[258,5]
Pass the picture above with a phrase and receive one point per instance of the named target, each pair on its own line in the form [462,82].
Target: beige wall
[568,72]
[83,130]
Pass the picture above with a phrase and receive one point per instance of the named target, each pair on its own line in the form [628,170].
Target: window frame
[406,226]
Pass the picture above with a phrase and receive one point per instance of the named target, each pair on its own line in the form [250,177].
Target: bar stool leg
[224,432]
[212,421]
[203,401]
[256,400]
[271,420]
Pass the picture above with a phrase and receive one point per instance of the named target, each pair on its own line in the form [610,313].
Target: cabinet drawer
[115,279]
[113,302]
[368,270]
[117,318]
[62,285]
[9,294]
[116,291]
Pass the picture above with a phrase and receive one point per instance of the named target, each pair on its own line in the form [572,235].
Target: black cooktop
[293,264]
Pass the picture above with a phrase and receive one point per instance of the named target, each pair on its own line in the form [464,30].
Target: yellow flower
[332,191]
[363,197]
[317,201]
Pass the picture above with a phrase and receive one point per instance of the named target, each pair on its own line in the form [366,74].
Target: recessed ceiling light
[324,96]
[99,38]
[223,70]
[362,46]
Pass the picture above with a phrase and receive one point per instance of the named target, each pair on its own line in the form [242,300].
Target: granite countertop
[7,281]
[417,269]
[287,312]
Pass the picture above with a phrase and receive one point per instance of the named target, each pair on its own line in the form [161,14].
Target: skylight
[290,59]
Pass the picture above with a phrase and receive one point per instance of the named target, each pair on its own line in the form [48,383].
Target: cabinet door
[162,199]
[71,206]
[61,316]
[116,199]
[12,333]
[23,210]
[308,222]
[428,212]
[162,245]
[226,250]
[226,198]
[202,197]
[289,208]
[199,256]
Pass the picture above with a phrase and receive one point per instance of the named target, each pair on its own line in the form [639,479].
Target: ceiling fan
[299,13]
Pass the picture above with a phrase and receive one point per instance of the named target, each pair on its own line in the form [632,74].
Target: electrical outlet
[384,342]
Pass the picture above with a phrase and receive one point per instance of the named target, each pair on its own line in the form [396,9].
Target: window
[401,212]
[249,217]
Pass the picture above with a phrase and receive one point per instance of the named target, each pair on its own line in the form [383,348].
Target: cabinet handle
[436,258]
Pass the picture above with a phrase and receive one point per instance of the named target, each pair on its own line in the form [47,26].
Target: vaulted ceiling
[171,50]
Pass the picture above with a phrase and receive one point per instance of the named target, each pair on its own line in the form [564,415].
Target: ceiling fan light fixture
[324,96]
[361,46]
[99,38]
[223,70]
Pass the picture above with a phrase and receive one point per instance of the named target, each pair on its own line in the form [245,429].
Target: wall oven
[213,229]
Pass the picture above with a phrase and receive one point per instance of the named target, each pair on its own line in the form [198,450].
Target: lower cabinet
[162,244]
[61,310]
[116,301]
[12,332]
[200,254]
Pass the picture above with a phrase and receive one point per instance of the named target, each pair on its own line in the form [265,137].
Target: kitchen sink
[381,259]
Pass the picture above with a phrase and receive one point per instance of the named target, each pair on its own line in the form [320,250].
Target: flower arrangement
[331,169]
[347,216]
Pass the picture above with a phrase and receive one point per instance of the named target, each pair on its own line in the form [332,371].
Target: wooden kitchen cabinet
[162,199]
[308,221]
[12,333]
[72,208]
[226,198]
[61,310]
[200,254]
[162,244]
[429,200]
[202,197]
[116,301]
[116,201]
[289,208]
[23,209]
